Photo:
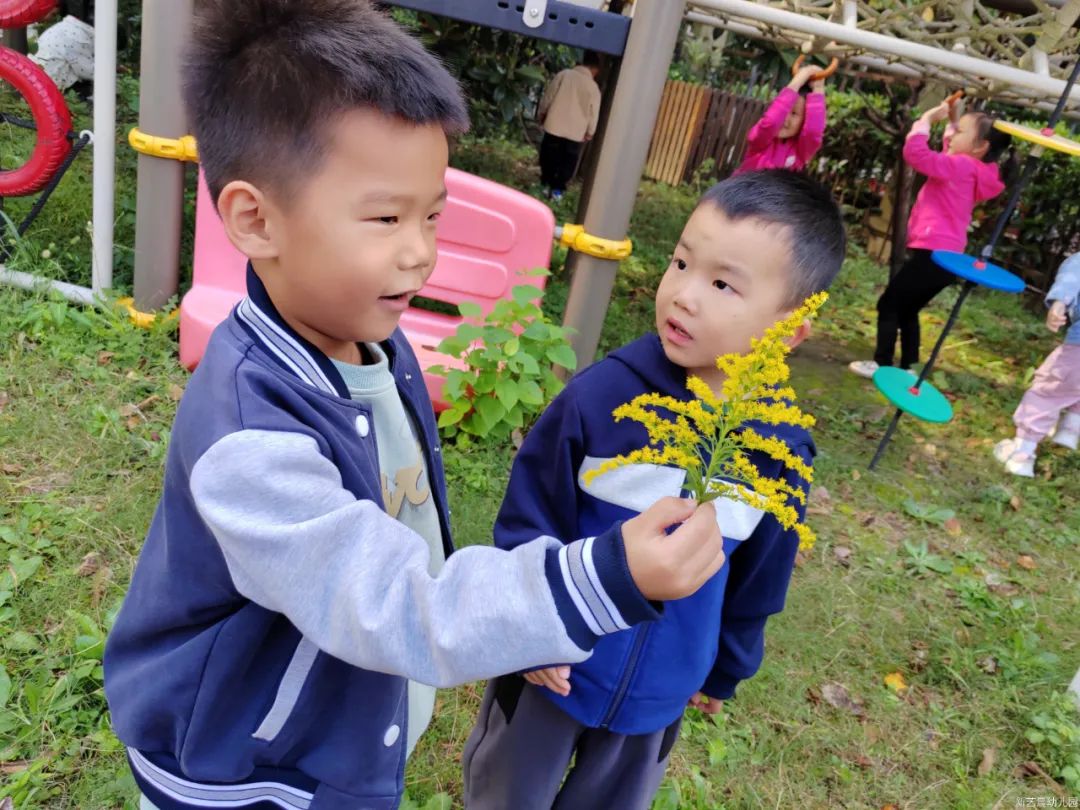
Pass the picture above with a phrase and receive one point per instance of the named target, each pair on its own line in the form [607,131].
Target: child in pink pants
[1054,395]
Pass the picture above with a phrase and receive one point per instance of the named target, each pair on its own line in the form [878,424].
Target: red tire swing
[20,13]
[51,116]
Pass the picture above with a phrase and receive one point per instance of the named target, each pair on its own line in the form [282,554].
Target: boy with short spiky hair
[598,734]
[294,594]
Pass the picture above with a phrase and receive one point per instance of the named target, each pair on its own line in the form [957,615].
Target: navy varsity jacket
[261,655]
[639,681]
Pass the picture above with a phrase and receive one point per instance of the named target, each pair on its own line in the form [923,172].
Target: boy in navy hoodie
[289,606]
[756,246]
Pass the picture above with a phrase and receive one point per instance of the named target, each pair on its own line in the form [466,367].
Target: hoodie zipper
[640,635]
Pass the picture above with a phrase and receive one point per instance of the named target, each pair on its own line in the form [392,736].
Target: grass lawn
[938,569]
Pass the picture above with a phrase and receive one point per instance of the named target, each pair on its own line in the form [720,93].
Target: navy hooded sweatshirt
[639,681]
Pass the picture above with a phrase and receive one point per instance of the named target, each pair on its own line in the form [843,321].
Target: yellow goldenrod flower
[707,435]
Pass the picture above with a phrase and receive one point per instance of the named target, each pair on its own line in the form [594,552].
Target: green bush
[509,377]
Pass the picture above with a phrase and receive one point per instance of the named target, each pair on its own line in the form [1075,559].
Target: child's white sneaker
[1016,461]
[1067,438]
[864,368]
[1068,431]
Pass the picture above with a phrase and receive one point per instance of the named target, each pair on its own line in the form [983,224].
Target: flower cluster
[707,436]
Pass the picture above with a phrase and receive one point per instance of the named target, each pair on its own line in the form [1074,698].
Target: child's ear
[801,334]
[244,211]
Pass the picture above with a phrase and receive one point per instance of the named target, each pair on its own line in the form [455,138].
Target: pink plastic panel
[487,235]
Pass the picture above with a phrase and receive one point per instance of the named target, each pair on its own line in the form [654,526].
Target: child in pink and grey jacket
[1054,395]
[959,177]
[792,128]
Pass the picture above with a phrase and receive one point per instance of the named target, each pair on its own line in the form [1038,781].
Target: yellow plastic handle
[575,238]
[183,148]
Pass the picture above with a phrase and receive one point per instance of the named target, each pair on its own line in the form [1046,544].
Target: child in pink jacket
[792,129]
[959,177]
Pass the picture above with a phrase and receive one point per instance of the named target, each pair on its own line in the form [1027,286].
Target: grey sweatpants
[522,744]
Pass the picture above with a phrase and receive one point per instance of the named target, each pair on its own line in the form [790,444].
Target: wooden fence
[695,124]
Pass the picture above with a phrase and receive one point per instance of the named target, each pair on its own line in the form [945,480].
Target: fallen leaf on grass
[7,804]
[988,664]
[838,697]
[896,682]
[12,767]
[1015,503]
[842,554]
[997,584]
[89,565]
[175,392]
[989,760]
[889,807]
[820,502]
[104,358]
[855,475]
[12,469]
[953,527]
[1026,562]
[4,400]
[877,414]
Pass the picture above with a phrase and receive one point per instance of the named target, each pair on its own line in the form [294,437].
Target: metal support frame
[622,153]
[566,23]
[160,186]
[1040,84]
[104,172]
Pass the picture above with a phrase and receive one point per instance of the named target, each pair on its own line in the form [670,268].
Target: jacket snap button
[363,427]
[391,735]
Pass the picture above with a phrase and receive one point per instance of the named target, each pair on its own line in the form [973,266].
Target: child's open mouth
[397,302]
[676,334]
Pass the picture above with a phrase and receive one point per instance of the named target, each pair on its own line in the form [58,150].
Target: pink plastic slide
[487,235]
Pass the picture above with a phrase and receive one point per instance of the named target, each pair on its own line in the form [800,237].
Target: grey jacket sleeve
[1066,286]
[354,581]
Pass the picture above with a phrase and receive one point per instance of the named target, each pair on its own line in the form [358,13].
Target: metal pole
[964,293]
[1030,166]
[105,17]
[14,38]
[887,45]
[623,150]
[160,186]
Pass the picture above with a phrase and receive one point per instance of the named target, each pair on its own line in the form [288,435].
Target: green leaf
[90,647]
[23,569]
[485,383]
[491,410]
[530,72]
[537,330]
[524,293]
[530,367]
[507,392]
[470,309]
[21,641]
[452,416]
[562,355]
[1034,736]
[5,686]
[453,345]
[510,348]
[530,393]
[470,332]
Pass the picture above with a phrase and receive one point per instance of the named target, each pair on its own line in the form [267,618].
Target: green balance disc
[926,403]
